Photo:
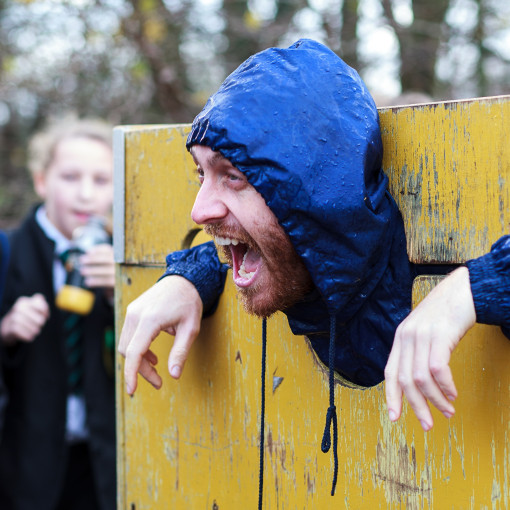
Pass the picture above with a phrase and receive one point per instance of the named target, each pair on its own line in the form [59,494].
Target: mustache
[233,233]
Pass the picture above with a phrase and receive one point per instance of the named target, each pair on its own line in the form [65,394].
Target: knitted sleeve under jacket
[489,276]
[202,267]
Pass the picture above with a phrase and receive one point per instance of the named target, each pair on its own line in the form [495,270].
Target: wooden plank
[193,444]
[160,186]
[449,170]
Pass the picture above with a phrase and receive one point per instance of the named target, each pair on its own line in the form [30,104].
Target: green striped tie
[73,333]
[74,350]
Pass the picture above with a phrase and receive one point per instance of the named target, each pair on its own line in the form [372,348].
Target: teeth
[242,271]
[225,241]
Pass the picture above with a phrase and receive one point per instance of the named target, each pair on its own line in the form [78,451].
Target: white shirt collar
[61,242]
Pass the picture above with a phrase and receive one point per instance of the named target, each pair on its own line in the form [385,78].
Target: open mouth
[246,261]
[82,216]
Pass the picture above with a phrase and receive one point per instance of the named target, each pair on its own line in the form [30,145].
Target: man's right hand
[172,305]
[25,319]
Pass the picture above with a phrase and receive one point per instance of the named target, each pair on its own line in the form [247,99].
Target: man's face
[267,271]
[77,184]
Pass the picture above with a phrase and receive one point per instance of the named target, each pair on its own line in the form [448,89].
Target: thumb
[40,304]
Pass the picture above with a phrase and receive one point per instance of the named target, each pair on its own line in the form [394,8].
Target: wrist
[462,296]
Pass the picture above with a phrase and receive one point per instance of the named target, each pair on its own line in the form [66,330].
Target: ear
[40,184]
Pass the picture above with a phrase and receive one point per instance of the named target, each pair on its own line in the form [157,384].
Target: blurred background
[157,61]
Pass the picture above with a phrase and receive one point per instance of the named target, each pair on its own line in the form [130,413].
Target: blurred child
[58,446]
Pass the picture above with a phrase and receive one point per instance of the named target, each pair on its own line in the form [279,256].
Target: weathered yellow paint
[194,443]
[449,165]
[160,190]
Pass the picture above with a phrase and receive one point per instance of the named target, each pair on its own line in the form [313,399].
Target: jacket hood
[303,128]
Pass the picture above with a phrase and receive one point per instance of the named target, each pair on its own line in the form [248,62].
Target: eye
[200,174]
[102,180]
[70,176]
[236,178]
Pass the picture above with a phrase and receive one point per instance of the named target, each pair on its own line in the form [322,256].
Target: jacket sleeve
[489,276]
[202,267]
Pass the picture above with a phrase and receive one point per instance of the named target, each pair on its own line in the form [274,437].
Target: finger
[440,368]
[100,254]
[40,304]
[406,378]
[392,386]
[126,333]
[99,275]
[96,266]
[184,338]
[25,333]
[100,281]
[136,362]
[151,357]
[30,318]
[148,372]
[30,306]
[23,328]
[423,376]
[99,250]
[99,269]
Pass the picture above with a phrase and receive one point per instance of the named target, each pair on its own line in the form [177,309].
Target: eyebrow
[211,160]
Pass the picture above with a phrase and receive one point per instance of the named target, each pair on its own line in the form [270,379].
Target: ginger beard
[280,279]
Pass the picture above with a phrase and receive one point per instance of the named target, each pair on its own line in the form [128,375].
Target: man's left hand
[418,364]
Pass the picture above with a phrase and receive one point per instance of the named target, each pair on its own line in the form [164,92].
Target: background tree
[157,61]
[419,43]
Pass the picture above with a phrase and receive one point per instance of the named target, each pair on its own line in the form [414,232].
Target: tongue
[251,261]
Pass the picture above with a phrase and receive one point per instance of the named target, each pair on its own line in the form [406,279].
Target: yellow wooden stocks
[194,443]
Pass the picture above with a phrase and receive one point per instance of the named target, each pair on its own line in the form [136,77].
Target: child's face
[77,184]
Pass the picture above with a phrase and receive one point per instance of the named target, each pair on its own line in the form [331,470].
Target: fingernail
[175,371]
[392,415]
[447,414]
[129,389]
[451,398]
[425,426]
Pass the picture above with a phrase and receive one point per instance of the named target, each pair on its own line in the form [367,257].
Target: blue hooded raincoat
[303,128]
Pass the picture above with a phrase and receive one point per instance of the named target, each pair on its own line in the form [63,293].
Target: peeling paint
[276,382]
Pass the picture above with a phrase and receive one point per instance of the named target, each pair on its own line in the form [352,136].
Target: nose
[208,206]
[86,189]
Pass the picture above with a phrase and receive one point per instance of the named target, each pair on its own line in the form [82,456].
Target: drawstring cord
[262,412]
[331,417]
[331,414]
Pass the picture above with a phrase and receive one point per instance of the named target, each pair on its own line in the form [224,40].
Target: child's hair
[42,146]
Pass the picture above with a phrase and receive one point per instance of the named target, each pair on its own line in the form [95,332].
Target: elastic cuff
[200,266]
[488,289]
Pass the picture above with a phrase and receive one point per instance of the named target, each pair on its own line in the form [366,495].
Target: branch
[388,13]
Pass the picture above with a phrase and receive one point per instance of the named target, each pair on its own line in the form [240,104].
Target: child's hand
[25,319]
[98,267]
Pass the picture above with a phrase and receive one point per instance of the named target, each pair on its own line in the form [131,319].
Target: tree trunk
[419,43]
[348,36]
